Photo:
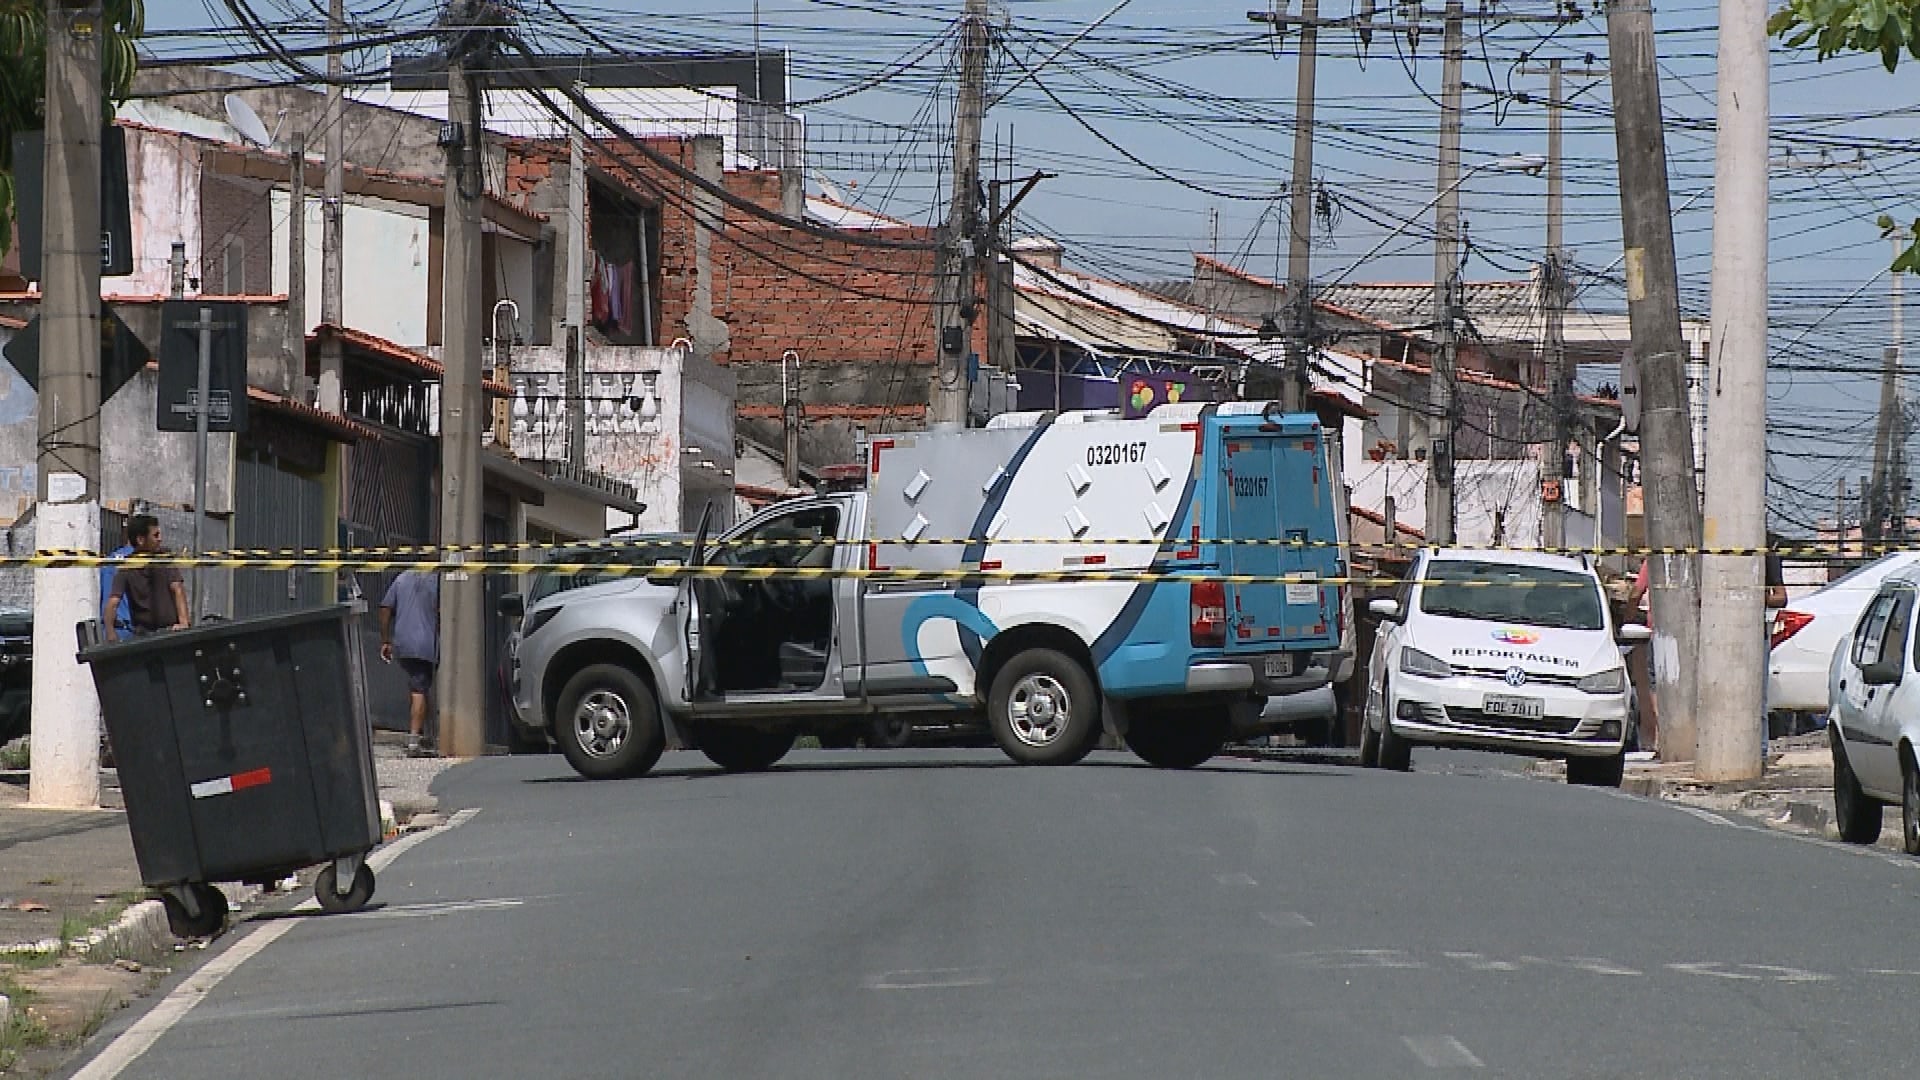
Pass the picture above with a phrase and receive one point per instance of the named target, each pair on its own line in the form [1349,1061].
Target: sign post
[214,336]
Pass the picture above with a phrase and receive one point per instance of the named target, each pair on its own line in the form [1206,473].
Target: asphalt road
[944,914]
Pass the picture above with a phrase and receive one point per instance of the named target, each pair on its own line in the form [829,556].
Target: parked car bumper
[1449,712]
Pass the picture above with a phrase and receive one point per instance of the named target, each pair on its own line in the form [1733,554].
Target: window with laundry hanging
[624,270]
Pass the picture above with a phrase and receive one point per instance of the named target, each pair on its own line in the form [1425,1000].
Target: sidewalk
[64,873]
[1794,794]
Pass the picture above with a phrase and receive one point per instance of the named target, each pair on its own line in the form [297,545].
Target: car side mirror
[666,580]
[513,606]
[1634,634]
[1387,609]
[1881,673]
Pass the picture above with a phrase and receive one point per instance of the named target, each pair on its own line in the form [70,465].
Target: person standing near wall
[410,632]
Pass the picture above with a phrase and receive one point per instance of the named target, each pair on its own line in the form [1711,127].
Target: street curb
[140,933]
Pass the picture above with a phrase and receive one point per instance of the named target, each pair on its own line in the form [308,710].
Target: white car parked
[1806,631]
[1875,722]
[1501,650]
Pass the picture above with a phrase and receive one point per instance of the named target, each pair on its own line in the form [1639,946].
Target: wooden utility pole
[1556,295]
[66,710]
[333,212]
[953,309]
[1300,214]
[576,362]
[1446,278]
[1653,307]
[462,420]
[297,256]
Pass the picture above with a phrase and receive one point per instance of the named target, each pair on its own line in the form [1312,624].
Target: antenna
[247,122]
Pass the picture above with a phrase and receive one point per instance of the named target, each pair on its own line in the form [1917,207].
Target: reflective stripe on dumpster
[227,785]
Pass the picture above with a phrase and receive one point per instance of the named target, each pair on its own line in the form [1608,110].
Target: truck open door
[700,601]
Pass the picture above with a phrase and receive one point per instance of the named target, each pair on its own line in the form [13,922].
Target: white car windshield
[1505,592]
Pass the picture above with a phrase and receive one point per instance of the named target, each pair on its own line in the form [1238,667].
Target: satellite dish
[247,122]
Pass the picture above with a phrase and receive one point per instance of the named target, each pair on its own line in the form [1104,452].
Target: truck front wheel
[608,725]
[1044,709]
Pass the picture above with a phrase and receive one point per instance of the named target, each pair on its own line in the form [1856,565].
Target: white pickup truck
[979,571]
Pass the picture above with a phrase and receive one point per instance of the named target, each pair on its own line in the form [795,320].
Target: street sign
[1630,391]
[116,210]
[180,365]
[122,353]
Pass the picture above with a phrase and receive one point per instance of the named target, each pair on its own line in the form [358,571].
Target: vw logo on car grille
[1516,677]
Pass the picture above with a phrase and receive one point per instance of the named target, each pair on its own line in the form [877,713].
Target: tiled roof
[339,427]
[400,355]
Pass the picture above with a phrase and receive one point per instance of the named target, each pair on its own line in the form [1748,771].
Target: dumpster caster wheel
[334,902]
[208,916]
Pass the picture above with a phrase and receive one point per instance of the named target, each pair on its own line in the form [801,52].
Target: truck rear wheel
[1171,738]
[608,726]
[744,749]
[1044,709]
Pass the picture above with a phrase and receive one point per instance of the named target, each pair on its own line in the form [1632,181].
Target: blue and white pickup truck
[982,573]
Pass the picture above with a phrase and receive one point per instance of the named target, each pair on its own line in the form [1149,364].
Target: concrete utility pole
[333,211]
[1446,278]
[297,257]
[953,307]
[1732,612]
[66,710]
[576,403]
[1002,339]
[462,420]
[1300,214]
[1653,307]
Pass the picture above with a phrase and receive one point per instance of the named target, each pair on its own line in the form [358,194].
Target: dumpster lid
[91,647]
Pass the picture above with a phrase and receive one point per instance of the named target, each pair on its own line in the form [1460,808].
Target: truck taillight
[1208,602]
[1786,624]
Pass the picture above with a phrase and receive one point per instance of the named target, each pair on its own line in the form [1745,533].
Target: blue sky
[1200,103]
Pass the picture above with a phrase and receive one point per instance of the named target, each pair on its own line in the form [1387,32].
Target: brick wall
[842,306]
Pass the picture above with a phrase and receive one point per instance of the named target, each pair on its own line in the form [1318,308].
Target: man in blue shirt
[410,632]
[122,617]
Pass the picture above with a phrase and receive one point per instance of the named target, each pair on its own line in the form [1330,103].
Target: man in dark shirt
[156,598]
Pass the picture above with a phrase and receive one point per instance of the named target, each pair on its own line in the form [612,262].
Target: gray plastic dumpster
[244,755]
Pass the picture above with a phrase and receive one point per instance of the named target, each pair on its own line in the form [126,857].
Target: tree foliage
[23,77]
[1832,27]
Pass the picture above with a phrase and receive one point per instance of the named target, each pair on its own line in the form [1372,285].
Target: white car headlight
[1415,662]
[1605,682]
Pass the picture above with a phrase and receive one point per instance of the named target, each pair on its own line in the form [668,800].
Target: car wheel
[1858,816]
[1909,803]
[1370,739]
[1396,753]
[1178,739]
[1044,709]
[608,726]
[1597,771]
[744,749]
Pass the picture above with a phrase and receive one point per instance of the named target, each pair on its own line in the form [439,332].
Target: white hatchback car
[1875,722]
[1501,650]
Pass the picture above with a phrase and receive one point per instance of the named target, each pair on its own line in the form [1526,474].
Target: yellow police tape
[1787,551]
[87,560]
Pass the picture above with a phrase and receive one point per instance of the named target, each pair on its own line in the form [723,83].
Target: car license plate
[1279,666]
[1514,708]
